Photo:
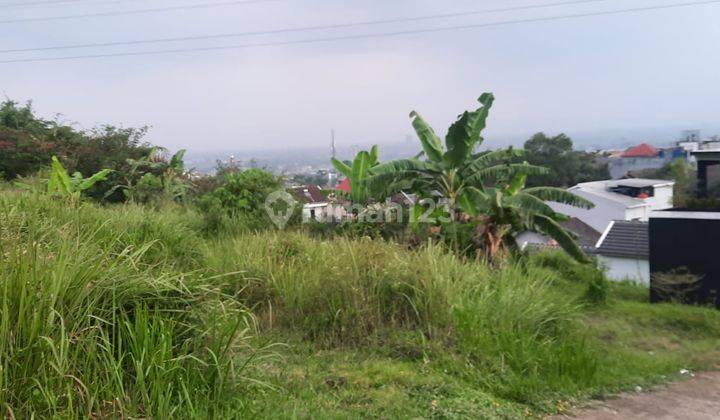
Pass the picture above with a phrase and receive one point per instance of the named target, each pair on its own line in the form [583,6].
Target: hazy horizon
[611,79]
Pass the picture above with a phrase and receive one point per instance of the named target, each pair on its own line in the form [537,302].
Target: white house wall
[619,269]
[663,198]
[637,213]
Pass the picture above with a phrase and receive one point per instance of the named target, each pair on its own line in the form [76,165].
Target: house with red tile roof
[637,158]
[344,186]
[643,150]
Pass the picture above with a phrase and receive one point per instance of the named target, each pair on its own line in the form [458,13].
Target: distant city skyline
[603,79]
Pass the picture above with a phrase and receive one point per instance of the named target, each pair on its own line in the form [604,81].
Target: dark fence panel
[681,249]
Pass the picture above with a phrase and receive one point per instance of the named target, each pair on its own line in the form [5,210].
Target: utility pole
[332,177]
[332,136]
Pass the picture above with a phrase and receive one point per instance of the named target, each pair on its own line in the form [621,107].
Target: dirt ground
[695,398]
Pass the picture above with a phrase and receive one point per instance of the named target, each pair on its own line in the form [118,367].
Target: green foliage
[129,311]
[486,186]
[245,192]
[523,339]
[358,173]
[567,166]
[240,196]
[60,183]
[598,290]
[95,322]
[28,142]
[156,178]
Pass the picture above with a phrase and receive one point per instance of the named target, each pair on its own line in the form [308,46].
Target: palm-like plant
[62,183]
[449,172]
[506,210]
[468,182]
[358,173]
[155,168]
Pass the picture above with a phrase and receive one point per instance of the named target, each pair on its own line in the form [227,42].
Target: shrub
[598,289]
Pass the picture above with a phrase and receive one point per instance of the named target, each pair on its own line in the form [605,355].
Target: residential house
[623,250]
[707,160]
[623,199]
[344,186]
[643,156]
[586,236]
[316,205]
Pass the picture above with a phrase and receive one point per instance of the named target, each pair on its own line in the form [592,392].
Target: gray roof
[587,236]
[625,240]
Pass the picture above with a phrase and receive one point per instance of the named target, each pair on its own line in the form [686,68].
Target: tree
[509,209]
[360,170]
[243,193]
[28,142]
[448,172]
[567,167]
[485,186]
[156,177]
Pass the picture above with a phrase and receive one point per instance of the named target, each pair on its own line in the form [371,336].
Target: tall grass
[519,336]
[524,337]
[340,291]
[94,322]
[127,311]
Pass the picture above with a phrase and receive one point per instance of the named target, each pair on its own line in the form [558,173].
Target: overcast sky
[652,69]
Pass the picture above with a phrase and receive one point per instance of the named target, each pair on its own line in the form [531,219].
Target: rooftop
[625,240]
[587,237]
[309,194]
[603,189]
[344,185]
[642,150]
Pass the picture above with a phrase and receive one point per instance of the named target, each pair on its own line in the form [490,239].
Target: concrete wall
[637,213]
[619,167]
[663,198]
[626,269]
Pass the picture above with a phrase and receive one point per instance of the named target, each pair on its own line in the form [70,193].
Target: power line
[58,2]
[135,12]
[369,36]
[38,3]
[303,29]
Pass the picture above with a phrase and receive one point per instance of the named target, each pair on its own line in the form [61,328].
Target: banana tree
[358,173]
[447,172]
[485,186]
[167,176]
[507,210]
[61,183]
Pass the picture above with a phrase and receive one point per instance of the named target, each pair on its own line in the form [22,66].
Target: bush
[240,195]
[598,289]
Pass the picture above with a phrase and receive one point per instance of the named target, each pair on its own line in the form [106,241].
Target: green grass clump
[341,291]
[524,338]
[129,311]
[93,324]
